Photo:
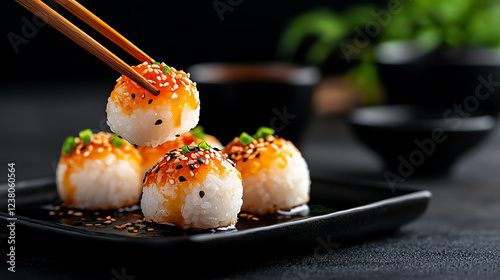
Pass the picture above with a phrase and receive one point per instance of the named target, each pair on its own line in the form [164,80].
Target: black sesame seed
[133,95]
[158,122]
[178,166]
[234,164]
[202,194]
[245,159]
[82,148]
[258,154]
[191,167]
[150,101]
[182,179]
[217,149]
[177,135]
[200,160]
[157,169]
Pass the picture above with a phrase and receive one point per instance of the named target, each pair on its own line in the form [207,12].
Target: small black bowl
[243,97]
[419,140]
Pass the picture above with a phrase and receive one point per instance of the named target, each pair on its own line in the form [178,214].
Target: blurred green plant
[432,24]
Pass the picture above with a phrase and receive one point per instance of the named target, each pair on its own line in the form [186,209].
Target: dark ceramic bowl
[442,77]
[243,97]
[419,140]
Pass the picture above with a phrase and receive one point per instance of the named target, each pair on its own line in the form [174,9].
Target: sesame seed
[202,194]
[191,166]
[182,179]
[143,95]
[191,173]
[178,166]
[158,78]
[151,229]
[158,122]
[200,160]
[86,154]
[171,181]
[207,162]
[170,171]
[150,101]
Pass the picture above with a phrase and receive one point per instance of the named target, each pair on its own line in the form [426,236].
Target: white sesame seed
[157,71]
[155,66]
[126,93]
[164,77]
[207,156]
[158,78]
[177,160]
[174,95]
[191,161]
[100,150]
[149,66]
[150,70]
[166,83]
[145,63]
[191,173]
[86,154]
[193,156]
[176,86]
[172,181]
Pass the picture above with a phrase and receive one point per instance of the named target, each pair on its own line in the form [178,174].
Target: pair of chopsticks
[50,16]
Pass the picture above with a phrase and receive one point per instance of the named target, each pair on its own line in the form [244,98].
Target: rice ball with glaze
[193,187]
[98,171]
[148,120]
[151,155]
[275,175]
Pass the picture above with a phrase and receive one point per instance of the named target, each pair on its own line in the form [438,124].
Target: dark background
[180,33]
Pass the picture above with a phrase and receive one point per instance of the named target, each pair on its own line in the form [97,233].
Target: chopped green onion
[68,145]
[245,139]
[86,135]
[263,132]
[185,149]
[117,142]
[204,146]
[166,69]
[154,62]
[198,132]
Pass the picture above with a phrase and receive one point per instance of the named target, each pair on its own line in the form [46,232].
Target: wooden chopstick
[89,18]
[45,13]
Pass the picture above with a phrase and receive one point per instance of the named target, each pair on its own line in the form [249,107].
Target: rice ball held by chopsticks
[98,171]
[275,175]
[146,119]
[193,187]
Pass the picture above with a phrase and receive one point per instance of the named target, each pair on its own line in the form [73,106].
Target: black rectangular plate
[339,212]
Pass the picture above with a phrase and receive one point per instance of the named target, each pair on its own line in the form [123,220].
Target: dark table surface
[457,238]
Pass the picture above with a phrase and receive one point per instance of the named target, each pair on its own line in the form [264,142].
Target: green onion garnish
[117,142]
[263,132]
[245,139]
[68,145]
[166,69]
[86,135]
[185,149]
[198,132]
[154,62]
[204,146]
